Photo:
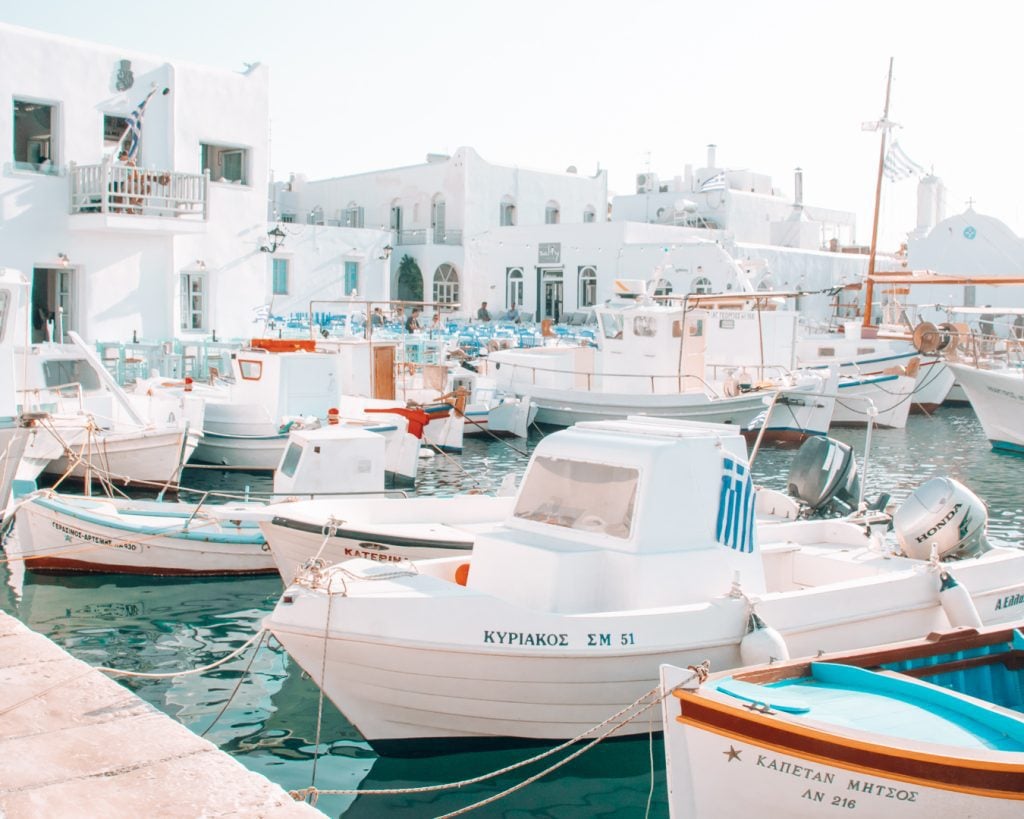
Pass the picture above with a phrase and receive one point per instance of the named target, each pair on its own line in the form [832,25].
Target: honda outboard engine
[824,476]
[944,512]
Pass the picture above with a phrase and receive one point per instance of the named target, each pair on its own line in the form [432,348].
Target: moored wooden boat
[928,728]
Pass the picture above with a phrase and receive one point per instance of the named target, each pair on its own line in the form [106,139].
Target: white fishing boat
[94,428]
[58,532]
[997,396]
[676,360]
[925,728]
[631,544]
[384,530]
[883,398]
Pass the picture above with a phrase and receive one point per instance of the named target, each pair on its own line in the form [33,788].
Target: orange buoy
[462,574]
[333,415]
[188,384]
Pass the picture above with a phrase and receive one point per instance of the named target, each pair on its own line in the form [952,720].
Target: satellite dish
[927,338]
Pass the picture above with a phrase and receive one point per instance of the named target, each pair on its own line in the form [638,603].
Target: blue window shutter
[351,277]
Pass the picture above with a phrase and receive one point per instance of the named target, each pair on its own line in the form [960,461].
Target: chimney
[798,188]
[711,156]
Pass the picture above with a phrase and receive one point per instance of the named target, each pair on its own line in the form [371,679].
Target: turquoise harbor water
[270,724]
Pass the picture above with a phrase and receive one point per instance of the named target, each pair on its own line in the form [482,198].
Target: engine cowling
[944,512]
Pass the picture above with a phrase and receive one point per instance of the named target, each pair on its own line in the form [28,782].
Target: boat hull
[998,400]
[82,534]
[891,396]
[416,663]
[722,767]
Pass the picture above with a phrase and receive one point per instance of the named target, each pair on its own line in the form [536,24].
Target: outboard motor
[944,512]
[824,476]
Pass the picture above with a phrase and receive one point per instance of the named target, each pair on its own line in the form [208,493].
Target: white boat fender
[762,644]
[957,604]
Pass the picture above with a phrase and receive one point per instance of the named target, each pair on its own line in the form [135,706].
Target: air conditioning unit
[646,183]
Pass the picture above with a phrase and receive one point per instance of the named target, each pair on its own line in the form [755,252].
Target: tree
[410,280]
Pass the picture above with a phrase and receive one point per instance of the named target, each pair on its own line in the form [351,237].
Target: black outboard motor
[824,476]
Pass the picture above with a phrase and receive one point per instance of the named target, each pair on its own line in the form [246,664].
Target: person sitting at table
[412,324]
[483,314]
[513,313]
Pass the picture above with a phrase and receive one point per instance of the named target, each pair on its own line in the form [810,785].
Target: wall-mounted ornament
[125,78]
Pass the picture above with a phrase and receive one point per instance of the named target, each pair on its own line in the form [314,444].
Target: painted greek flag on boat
[735,525]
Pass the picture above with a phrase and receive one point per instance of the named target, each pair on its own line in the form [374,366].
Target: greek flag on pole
[714,183]
[135,127]
[898,166]
[735,525]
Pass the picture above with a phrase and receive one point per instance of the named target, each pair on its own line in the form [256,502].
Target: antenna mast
[884,127]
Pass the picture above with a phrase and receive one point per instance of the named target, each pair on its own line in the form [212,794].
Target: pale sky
[627,85]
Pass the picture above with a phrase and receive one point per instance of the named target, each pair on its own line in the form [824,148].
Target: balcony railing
[120,189]
[447,236]
[411,237]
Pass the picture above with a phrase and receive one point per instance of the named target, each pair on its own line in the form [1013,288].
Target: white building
[173,250]
[436,209]
[745,204]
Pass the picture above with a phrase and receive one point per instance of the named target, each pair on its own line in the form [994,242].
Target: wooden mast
[884,127]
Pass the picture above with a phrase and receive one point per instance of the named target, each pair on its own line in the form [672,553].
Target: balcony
[115,196]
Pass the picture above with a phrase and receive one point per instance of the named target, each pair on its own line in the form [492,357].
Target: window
[225,164]
[279,286]
[114,129]
[701,285]
[352,216]
[437,219]
[446,285]
[663,287]
[70,371]
[34,136]
[581,495]
[396,218]
[507,214]
[250,370]
[587,286]
[193,300]
[552,214]
[589,214]
[611,324]
[351,278]
[291,460]
[514,282]
[645,326]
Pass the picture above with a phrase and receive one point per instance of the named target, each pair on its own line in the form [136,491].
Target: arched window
[767,283]
[701,285]
[446,284]
[514,286]
[552,214]
[663,288]
[587,286]
[352,216]
[589,214]
[507,214]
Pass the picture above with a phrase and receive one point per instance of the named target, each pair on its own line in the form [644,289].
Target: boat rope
[259,635]
[89,669]
[612,724]
[238,684]
[496,437]
[320,699]
[438,449]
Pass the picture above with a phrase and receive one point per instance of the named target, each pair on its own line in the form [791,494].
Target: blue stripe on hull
[1007,446]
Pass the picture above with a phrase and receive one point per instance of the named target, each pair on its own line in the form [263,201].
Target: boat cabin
[666,508]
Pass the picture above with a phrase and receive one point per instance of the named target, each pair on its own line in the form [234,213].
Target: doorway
[52,303]
[550,288]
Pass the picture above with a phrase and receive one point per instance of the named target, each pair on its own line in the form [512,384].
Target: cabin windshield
[5,300]
[579,495]
[70,371]
[611,324]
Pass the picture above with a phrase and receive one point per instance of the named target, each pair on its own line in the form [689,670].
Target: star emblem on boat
[732,754]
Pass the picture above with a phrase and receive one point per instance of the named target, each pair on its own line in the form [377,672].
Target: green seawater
[265,712]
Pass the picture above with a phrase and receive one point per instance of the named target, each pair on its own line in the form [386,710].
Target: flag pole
[869,289]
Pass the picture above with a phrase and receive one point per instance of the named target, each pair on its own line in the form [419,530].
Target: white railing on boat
[121,189]
[52,399]
[637,382]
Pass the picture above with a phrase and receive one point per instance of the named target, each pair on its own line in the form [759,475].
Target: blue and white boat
[926,728]
[56,532]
